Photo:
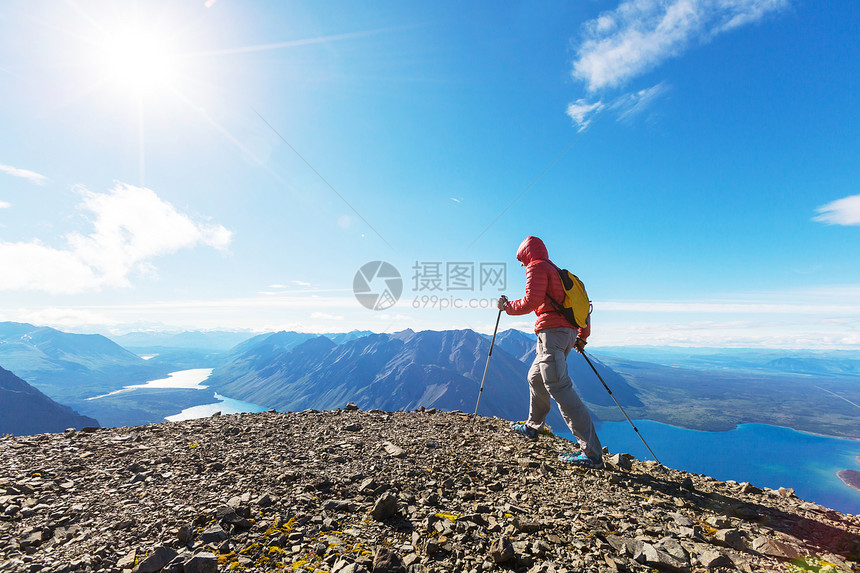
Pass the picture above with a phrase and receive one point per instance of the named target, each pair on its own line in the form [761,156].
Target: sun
[139,60]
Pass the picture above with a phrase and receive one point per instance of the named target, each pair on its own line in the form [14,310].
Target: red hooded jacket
[542,281]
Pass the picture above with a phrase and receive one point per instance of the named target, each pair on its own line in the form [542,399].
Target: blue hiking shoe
[528,433]
[582,460]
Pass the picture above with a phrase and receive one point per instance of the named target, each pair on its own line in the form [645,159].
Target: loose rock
[385,506]
[501,550]
[276,491]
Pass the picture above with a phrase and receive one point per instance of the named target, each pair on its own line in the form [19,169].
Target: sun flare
[139,60]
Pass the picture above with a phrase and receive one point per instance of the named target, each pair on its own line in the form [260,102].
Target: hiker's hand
[500,304]
[579,345]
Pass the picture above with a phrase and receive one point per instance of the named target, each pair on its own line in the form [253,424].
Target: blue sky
[175,165]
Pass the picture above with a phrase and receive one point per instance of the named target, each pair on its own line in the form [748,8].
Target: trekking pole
[619,406]
[492,343]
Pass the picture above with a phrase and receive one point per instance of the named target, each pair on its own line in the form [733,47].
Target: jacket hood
[532,249]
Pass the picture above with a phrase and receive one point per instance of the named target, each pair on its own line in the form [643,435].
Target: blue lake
[224,405]
[765,456]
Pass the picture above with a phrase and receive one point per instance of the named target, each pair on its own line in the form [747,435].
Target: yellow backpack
[575,307]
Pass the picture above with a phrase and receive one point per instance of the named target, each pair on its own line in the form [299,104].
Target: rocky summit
[351,491]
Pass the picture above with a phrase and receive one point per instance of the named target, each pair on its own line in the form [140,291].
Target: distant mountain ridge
[387,371]
[213,340]
[700,389]
[25,410]
[65,366]
[399,371]
[55,345]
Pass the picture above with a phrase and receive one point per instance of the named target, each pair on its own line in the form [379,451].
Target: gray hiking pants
[548,377]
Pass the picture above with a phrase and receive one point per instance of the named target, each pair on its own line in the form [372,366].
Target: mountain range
[212,341]
[67,366]
[28,411]
[400,371]
[702,389]
[70,368]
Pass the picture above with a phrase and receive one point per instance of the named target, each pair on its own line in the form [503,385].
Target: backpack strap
[558,307]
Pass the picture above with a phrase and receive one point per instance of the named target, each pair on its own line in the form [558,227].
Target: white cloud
[748,308]
[633,104]
[640,34]
[31,176]
[808,318]
[845,211]
[131,225]
[325,316]
[625,107]
[583,113]
[62,317]
[4,205]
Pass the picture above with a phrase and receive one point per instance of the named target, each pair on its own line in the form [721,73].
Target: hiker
[555,338]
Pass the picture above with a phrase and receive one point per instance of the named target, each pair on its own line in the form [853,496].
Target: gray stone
[627,546]
[718,522]
[681,520]
[393,450]
[387,561]
[501,550]
[127,562]
[713,559]
[745,511]
[620,461]
[675,549]
[432,547]
[730,538]
[662,560]
[747,487]
[385,506]
[367,485]
[774,548]
[156,560]
[31,539]
[526,526]
[66,532]
[339,505]
[690,532]
[212,534]
[204,562]
[124,524]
